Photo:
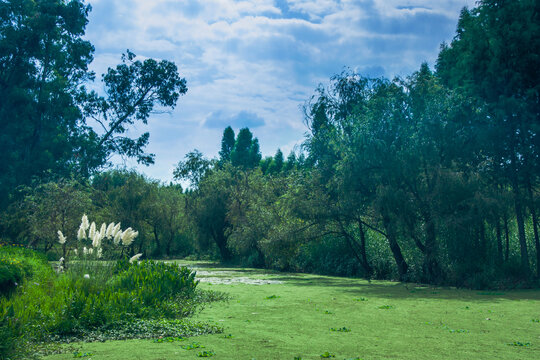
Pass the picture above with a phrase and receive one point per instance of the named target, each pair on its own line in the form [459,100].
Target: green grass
[382,320]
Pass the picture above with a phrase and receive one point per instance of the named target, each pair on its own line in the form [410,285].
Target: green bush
[156,281]
[18,264]
[89,296]
[18,267]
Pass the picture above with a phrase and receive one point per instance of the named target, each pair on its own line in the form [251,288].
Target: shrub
[17,264]
[156,281]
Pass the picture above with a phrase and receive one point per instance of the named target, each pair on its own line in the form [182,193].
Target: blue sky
[255,62]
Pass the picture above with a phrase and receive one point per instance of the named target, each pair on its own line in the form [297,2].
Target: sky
[254,63]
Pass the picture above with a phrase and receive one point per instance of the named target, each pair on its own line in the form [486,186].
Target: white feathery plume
[90,251]
[103,230]
[99,252]
[128,236]
[85,250]
[84,222]
[117,237]
[61,238]
[109,231]
[115,230]
[92,231]
[96,241]
[81,235]
[134,258]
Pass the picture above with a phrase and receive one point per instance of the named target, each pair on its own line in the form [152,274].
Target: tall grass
[90,295]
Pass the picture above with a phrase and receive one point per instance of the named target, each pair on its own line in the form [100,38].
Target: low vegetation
[394,321]
[97,300]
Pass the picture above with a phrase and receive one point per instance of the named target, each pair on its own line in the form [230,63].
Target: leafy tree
[132,90]
[291,162]
[43,61]
[193,169]
[55,206]
[208,207]
[168,220]
[127,197]
[277,163]
[45,106]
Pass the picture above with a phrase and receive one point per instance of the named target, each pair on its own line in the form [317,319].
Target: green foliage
[206,353]
[327,355]
[246,153]
[44,64]
[17,265]
[227,145]
[153,282]
[80,354]
[194,345]
[128,300]
[518,343]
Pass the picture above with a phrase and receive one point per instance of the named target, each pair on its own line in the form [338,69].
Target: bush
[17,267]
[17,264]
[144,290]
[154,282]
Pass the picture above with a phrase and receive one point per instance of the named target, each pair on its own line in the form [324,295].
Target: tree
[227,145]
[277,163]
[494,59]
[246,153]
[133,89]
[44,133]
[193,169]
[127,197]
[55,206]
[43,62]
[208,207]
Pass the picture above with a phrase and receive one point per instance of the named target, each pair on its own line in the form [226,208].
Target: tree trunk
[507,239]
[499,242]
[431,268]
[394,247]
[359,254]
[221,242]
[521,230]
[363,253]
[156,238]
[532,208]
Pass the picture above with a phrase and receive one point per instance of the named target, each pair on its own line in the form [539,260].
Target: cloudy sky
[255,62]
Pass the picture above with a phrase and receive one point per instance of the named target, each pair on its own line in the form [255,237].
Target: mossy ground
[387,320]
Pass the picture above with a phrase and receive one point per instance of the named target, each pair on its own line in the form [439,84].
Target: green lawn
[307,316]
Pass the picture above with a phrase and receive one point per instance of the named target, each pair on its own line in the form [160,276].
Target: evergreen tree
[227,145]
[246,153]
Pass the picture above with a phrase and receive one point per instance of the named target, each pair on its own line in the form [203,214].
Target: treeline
[432,178]
[155,210]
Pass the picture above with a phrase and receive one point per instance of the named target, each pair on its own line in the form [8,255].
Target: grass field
[299,316]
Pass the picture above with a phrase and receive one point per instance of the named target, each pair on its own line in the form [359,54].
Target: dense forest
[432,178]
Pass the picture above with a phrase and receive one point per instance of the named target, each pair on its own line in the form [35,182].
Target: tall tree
[494,58]
[45,106]
[227,144]
[43,62]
